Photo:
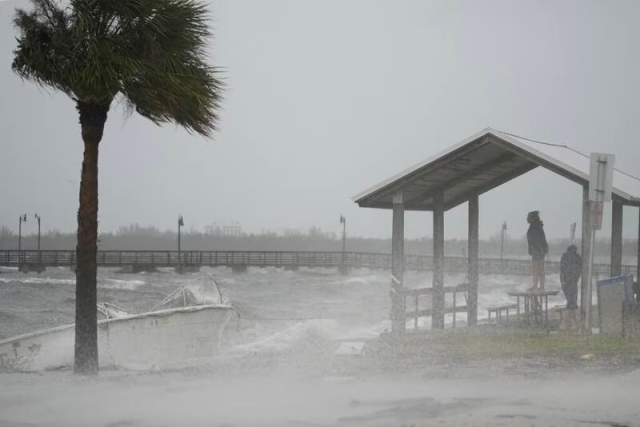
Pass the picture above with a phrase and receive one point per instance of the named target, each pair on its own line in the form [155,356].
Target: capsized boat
[178,331]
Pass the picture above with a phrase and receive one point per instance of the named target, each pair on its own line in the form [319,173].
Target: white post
[585,243]
[589,293]
[600,185]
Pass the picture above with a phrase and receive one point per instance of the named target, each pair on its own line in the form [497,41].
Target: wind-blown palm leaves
[149,53]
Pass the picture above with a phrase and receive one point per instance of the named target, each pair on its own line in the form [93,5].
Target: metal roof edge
[511,140]
[358,197]
[506,138]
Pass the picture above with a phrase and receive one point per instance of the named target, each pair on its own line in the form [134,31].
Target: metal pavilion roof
[483,162]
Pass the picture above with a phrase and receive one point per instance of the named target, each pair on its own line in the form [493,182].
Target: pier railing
[286,259]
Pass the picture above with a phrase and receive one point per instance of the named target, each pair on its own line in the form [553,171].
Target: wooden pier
[29,260]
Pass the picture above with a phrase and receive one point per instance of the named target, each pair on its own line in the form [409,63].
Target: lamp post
[21,219]
[38,218]
[504,228]
[343,221]
[573,232]
[180,224]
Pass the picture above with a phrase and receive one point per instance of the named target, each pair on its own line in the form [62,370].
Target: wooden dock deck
[293,260]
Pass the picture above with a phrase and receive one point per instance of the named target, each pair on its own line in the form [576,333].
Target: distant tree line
[137,237]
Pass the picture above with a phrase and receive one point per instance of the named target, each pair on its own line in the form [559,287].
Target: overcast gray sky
[327,98]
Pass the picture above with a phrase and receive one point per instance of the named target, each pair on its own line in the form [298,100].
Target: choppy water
[277,307]
[285,318]
[278,367]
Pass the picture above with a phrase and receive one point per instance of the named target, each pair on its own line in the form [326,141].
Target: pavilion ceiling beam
[475,171]
[428,206]
[507,157]
[398,184]
[489,185]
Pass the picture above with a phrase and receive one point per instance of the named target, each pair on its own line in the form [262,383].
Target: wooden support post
[585,253]
[616,239]
[398,310]
[437,316]
[472,273]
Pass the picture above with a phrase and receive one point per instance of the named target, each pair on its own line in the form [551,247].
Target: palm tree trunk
[92,119]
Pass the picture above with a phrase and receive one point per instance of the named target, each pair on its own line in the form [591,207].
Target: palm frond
[152,52]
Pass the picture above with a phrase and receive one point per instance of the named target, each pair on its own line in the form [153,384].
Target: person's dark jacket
[570,267]
[537,240]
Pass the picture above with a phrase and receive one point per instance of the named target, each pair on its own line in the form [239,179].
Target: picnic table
[536,303]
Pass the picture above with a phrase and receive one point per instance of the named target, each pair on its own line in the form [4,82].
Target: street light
[343,221]
[180,224]
[504,228]
[38,218]
[21,219]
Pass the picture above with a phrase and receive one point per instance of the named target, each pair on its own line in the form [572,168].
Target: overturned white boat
[177,332]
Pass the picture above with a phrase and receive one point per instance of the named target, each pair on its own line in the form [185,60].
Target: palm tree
[150,54]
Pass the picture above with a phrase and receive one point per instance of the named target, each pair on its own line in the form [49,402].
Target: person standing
[538,249]
[570,271]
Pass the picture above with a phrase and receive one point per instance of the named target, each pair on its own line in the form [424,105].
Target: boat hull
[155,340]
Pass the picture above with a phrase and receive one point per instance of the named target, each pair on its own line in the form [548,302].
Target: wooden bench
[499,309]
[462,288]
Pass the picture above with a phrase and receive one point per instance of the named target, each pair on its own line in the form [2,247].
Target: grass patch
[530,344]
[490,342]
